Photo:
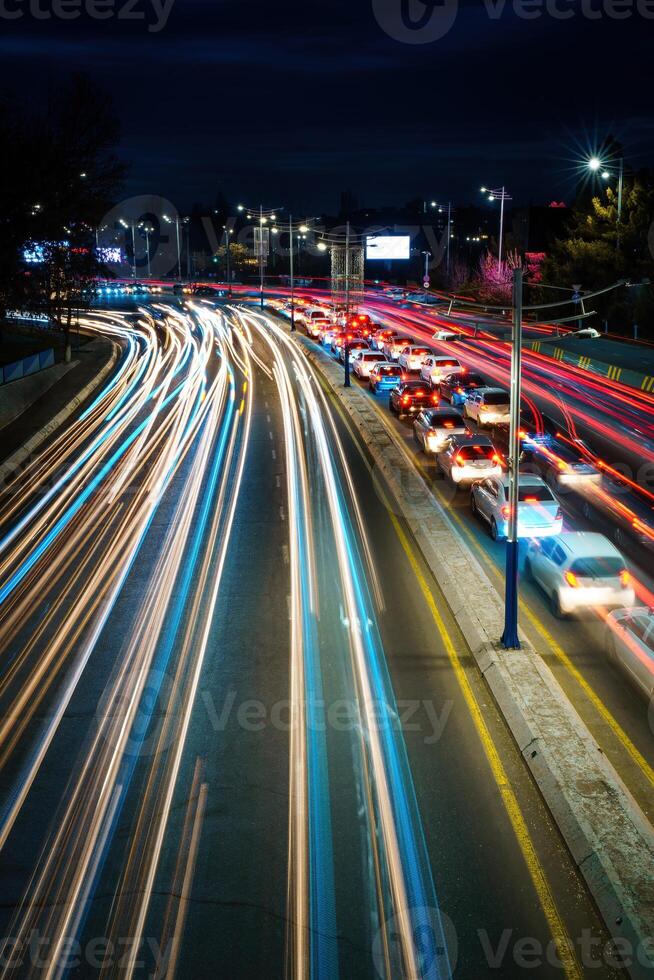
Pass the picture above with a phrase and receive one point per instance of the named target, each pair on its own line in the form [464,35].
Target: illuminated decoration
[35,253]
[347,276]
[380,247]
[109,254]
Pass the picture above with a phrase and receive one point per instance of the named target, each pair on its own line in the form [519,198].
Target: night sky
[291,103]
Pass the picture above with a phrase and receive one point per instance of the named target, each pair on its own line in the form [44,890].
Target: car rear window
[496,398]
[607,566]
[476,452]
[420,350]
[527,494]
[447,421]
[446,362]
[391,369]
[471,380]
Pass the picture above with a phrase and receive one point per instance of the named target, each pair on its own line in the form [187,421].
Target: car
[488,406]
[364,361]
[539,512]
[327,333]
[381,335]
[455,387]
[384,377]
[587,332]
[394,345]
[578,571]
[436,367]
[411,357]
[563,463]
[354,346]
[465,459]
[360,322]
[445,335]
[435,426]
[629,643]
[204,291]
[411,397]
[315,324]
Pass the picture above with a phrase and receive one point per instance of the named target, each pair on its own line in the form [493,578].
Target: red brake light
[406,399]
[459,391]
[420,394]
[459,460]
[434,398]
[571,579]
[506,511]
[531,500]
[496,458]
[625,578]
[448,425]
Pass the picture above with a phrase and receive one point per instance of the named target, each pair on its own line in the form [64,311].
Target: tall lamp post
[499,194]
[147,231]
[595,165]
[130,225]
[510,639]
[441,209]
[227,232]
[264,215]
[169,221]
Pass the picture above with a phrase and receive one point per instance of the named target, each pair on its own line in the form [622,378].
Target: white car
[411,357]
[434,427]
[588,332]
[580,570]
[539,512]
[315,324]
[468,458]
[445,335]
[488,406]
[394,346]
[629,641]
[364,361]
[435,367]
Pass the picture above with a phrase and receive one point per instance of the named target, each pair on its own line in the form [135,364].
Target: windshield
[496,398]
[607,566]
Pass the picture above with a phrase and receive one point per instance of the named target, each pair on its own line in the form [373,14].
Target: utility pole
[510,639]
[261,255]
[179,249]
[346,343]
[229,271]
[292,250]
[449,233]
[620,195]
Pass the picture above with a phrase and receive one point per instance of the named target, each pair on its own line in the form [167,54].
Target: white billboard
[388,247]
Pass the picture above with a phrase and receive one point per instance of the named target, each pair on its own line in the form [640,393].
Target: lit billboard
[388,247]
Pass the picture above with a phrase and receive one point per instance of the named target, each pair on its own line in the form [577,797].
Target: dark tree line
[61,176]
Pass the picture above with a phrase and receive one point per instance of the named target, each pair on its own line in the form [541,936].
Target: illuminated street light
[498,194]
[595,164]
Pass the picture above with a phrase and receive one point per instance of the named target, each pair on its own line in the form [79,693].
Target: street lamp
[498,194]
[441,209]
[131,225]
[594,165]
[265,214]
[179,249]
[228,232]
[147,231]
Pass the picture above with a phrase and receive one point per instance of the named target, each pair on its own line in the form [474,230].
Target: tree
[61,178]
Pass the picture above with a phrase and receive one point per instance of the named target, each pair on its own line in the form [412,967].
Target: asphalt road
[236,741]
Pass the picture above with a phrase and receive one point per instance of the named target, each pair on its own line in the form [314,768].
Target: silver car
[433,428]
[630,643]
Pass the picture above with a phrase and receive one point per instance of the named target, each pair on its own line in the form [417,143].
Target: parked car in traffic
[384,376]
[629,642]
[410,397]
[412,356]
[488,406]
[455,388]
[580,571]
[364,361]
[435,367]
[433,428]
[539,512]
[465,459]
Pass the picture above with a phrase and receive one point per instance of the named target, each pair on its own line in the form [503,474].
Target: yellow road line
[510,800]
[511,804]
[544,633]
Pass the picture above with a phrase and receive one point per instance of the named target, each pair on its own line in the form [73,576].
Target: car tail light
[625,578]
[559,514]
[406,399]
[435,398]
[420,394]
[506,511]
[496,458]
[459,391]
[459,460]
[448,425]
[531,500]
[571,579]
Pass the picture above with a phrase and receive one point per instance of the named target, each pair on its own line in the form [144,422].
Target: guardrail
[613,372]
[26,366]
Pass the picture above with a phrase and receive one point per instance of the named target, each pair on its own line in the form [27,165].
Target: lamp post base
[510,640]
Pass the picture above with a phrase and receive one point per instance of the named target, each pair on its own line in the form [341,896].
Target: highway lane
[618,716]
[233,729]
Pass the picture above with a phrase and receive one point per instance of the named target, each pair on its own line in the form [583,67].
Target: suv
[488,406]
[434,427]
[411,397]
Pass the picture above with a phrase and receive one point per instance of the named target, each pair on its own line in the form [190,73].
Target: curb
[607,834]
[11,467]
